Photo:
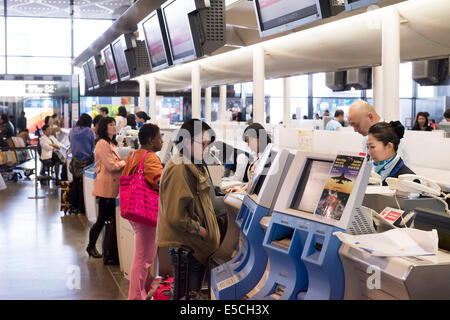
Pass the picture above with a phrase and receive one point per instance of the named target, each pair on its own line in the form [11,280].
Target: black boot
[92,251]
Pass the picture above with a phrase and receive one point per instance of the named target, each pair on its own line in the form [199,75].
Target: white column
[390,62]
[208,104]
[153,112]
[287,100]
[196,91]
[142,104]
[258,85]
[223,103]
[377,87]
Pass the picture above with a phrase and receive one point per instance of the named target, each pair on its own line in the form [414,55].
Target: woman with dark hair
[121,119]
[186,215]
[257,139]
[421,123]
[382,144]
[95,122]
[145,246]
[106,185]
[141,118]
[82,143]
[131,121]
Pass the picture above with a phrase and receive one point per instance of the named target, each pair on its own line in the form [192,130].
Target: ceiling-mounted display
[87,76]
[275,16]
[156,40]
[119,46]
[110,63]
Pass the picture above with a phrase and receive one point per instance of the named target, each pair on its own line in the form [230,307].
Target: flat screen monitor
[178,28]
[355,4]
[276,16]
[87,76]
[156,40]
[310,186]
[119,46]
[261,170]
[93,72]
[110,63]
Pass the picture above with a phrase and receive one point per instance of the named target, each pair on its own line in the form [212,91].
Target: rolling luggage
[161,289]
[65,197]
[181,267]
[110,250]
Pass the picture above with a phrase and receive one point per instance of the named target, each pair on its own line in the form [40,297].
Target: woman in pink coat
[109,167]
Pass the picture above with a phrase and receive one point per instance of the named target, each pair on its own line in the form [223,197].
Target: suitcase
[181,255]
[110,250]
[65,197]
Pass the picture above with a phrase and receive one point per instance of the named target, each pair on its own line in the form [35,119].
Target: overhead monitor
[110,63]
[87,76]
[326,188]
[356,4]
[275,16]
[156,40]
[93,72]
[119,46]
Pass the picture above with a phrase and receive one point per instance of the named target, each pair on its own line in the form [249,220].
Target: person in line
[446,117]
[22,122]
[24,134]
[421,123]
[121,119]
[82,143]
[50,154]
[131,121]
[141,118]
[56,124]
[104,111]
[361,116]
[186,215]
[95,122]
[336,122]
[145,236]
[6,130]
[109,167]
[382,144]
[257,139]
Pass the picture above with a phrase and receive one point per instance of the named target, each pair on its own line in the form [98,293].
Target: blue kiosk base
[234,279]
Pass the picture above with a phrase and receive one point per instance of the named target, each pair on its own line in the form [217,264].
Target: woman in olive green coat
[186,216]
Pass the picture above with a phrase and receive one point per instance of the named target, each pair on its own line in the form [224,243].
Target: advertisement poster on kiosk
[339,186]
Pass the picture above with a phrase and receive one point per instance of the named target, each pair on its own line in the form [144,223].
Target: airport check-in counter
[237,277]
[90,202]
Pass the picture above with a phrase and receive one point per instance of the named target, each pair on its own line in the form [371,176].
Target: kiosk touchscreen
[321,194]
[237,277]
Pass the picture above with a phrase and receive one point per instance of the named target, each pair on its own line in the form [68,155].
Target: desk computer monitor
[319,187]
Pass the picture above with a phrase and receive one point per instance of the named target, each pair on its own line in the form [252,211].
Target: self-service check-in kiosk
[237,277]
[303,252]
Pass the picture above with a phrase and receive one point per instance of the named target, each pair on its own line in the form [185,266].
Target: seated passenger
[50,154]
[421,123]
[382,144]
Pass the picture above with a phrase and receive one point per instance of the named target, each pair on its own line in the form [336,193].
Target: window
[36,37]
[85,32]
[2,65]
[2,35]
[38,65]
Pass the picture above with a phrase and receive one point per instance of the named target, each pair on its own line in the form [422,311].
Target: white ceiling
[339,43]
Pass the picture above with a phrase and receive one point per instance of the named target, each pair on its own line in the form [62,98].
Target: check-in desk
[386,278]
[90,202]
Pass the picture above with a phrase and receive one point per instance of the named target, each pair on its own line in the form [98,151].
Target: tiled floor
[42,252]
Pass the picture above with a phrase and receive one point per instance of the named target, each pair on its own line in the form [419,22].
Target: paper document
[394,243]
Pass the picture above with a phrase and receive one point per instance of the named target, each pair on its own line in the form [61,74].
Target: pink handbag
[138,202]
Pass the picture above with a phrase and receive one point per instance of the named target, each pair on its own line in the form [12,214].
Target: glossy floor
[42,252]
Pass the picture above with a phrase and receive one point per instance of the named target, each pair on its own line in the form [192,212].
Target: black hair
[54,115]
[102,131]
[84,121]
[97,118]
[46,119]
[191,127]
[416,121]
[447,114]
[104,109]
[148,131]
[122,111]
[338,113]
[388,132]
[45,127]
[142,115]
[257,131]
[131,121]
[4,118]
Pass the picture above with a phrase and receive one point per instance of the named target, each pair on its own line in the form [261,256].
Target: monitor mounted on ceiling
[87,76]
[156,40]
[93,72]
[124,42]
[111,69]
[275,16]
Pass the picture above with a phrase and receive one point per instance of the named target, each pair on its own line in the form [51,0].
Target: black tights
[106,211]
